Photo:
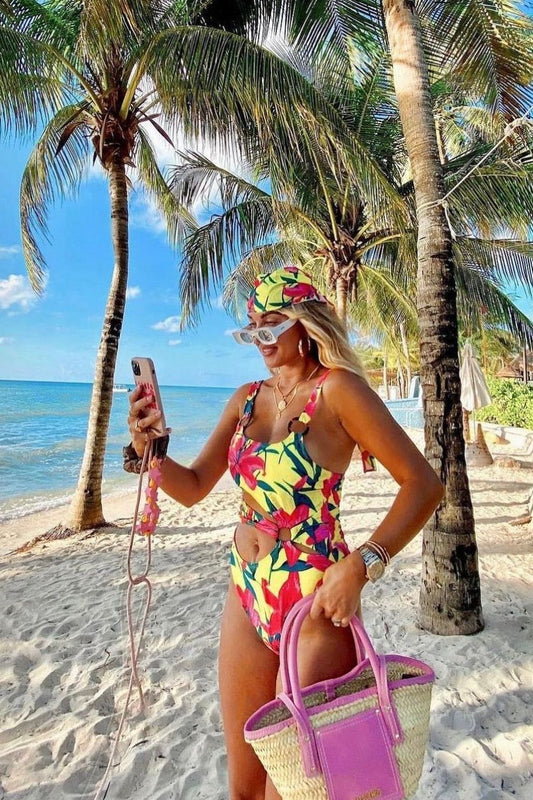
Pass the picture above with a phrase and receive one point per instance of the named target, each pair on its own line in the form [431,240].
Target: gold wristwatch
[373,563]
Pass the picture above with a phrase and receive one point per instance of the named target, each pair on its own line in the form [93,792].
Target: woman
[289,440]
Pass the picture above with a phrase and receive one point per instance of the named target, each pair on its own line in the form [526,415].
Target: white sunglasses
[266,335]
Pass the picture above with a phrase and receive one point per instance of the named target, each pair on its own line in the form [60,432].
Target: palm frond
[482,302]
[496,198]
[178,219]
[463,126]
[344,32]
[210,80]
[498,260]
[488,47]
[32,85]
[384,257]
[210,248]
[196,177]
[49,174]
[381,307]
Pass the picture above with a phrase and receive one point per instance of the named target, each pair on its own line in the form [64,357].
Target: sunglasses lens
[244,337]
[266,336]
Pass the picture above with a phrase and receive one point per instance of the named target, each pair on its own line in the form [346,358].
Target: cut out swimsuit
[300,499]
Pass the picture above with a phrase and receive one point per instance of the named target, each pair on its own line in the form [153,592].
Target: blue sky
[55,337]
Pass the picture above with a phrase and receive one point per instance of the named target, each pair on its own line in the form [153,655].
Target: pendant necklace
[286,398]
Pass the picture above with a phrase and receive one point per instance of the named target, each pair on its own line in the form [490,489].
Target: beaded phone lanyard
[145,525]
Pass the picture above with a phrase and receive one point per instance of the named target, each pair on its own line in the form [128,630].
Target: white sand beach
[63,649]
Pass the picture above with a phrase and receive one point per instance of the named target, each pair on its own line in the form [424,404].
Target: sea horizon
[117,383]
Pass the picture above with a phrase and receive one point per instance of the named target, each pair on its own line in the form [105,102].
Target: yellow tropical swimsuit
[300,498]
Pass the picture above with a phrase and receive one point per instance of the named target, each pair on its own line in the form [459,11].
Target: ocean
[45,427]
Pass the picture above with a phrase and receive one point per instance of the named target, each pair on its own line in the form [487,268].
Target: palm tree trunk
[405,348]
[450,598]
[86,506]
[385,374]
[466,424]
[341,297]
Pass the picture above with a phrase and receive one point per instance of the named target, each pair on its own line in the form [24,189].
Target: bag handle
[284,662]
[292,691]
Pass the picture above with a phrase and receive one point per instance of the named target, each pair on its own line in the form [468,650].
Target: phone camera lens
[136,368]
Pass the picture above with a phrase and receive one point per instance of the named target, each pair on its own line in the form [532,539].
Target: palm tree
[450,596]
[256,231]
[112,72]
[94,52]
[331,220]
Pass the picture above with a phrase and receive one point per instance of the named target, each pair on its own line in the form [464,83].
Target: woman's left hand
[338,598]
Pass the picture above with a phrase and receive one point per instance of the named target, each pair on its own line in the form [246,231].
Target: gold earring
[301,347]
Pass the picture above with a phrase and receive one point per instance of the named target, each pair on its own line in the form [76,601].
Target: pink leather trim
[357,758]
[328,686]
[257,716]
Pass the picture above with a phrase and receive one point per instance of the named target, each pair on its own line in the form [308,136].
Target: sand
[63,651]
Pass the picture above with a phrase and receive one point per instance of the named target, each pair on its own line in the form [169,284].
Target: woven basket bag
[287,733]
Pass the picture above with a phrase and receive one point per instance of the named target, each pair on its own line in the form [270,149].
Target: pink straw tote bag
[358,737]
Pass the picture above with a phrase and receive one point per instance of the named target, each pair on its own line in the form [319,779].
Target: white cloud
[6,340]
[144,214]
[133,291]
[170,325]
[10,250]
[14,290]
[174,342]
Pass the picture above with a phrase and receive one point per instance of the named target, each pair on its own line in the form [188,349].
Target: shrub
[512,404]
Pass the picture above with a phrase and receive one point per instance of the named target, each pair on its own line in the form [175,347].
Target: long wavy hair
[328,335]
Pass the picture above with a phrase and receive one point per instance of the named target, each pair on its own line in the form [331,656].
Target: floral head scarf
[281,288]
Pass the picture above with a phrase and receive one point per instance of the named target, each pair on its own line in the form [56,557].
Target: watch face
[374,565]
[375,570]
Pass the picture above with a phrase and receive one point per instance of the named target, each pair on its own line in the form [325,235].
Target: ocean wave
[21,506]
[25,454]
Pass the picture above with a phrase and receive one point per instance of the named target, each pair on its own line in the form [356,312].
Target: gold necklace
[284,400]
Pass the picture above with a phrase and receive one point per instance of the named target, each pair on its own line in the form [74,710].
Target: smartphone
[144,376]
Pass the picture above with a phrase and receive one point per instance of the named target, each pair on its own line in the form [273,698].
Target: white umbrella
[474,394]
[474,389]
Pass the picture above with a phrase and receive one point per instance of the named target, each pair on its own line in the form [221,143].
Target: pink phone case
[144,375]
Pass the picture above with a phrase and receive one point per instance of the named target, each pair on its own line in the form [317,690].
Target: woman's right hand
[139,423]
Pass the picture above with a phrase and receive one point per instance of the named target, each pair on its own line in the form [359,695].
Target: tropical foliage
[308,212]
[512,404]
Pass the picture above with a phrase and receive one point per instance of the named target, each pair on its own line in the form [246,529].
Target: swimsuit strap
[249,405]
[310,406]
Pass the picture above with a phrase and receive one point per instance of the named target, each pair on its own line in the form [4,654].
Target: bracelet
[381,551]
[133,463]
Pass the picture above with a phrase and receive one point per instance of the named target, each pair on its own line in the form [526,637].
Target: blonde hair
[328,332]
